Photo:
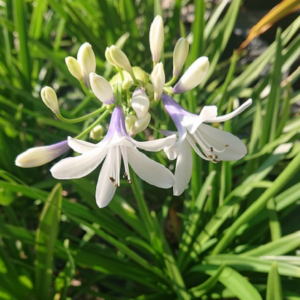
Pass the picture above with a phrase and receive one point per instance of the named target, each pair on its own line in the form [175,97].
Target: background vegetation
[233,234]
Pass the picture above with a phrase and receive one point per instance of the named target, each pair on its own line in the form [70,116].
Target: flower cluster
[131,97]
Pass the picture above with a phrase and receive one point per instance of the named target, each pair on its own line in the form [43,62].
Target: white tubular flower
[140,103]
[158,80]
[87,60]
[102,89]
[96,133]
[74,67]
[120,59]
[49,97]
[208,142]
[179,56]
[140,124]
[39,156]
[193,76]
[115,147]
[156,38]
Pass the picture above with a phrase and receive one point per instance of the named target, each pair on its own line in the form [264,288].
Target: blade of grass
[45,242]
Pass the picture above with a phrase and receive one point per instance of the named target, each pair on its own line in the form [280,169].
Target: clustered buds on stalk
[131,97]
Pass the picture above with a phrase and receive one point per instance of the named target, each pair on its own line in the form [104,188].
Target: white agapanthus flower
[116,146]
[208,142]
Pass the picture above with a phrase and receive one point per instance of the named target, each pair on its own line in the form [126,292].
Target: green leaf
[274,291]
[45,242]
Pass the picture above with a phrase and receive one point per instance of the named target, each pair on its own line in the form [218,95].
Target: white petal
[225,145]
[232,114]
[149,170]
[79,166]
[174,149]
[207,113]
[184,167]
[156,145]
[105,188]
[81,146]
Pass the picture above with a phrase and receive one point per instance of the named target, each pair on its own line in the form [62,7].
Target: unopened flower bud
[74,67]
[39,156]
[129,122]
[126,84]
[108,57]
[141,76]
[96,133]
[140,103]
[120,59]
[156,38]
[193,76]
[158,80]
[102,89]
[140,124]
[50,99]
[179,56]
[86,59]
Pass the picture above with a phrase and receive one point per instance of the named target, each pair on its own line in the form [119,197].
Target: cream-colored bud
[74,67]
[181,51]
[156,38]
[126,84]
[96,133]
[140,124]
[158,80]
[86,59]
[193,76]
[39,156]
[102,89]
[129,122]
[141,76]
[50,99]
[140,103]
[120,59]
[108,56]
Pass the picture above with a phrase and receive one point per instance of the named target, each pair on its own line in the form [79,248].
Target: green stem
[138,193]
[87,130]
[171,81]
[83,118]
[85,89]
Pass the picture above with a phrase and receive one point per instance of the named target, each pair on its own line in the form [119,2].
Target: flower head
[208,142]
[116,146]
